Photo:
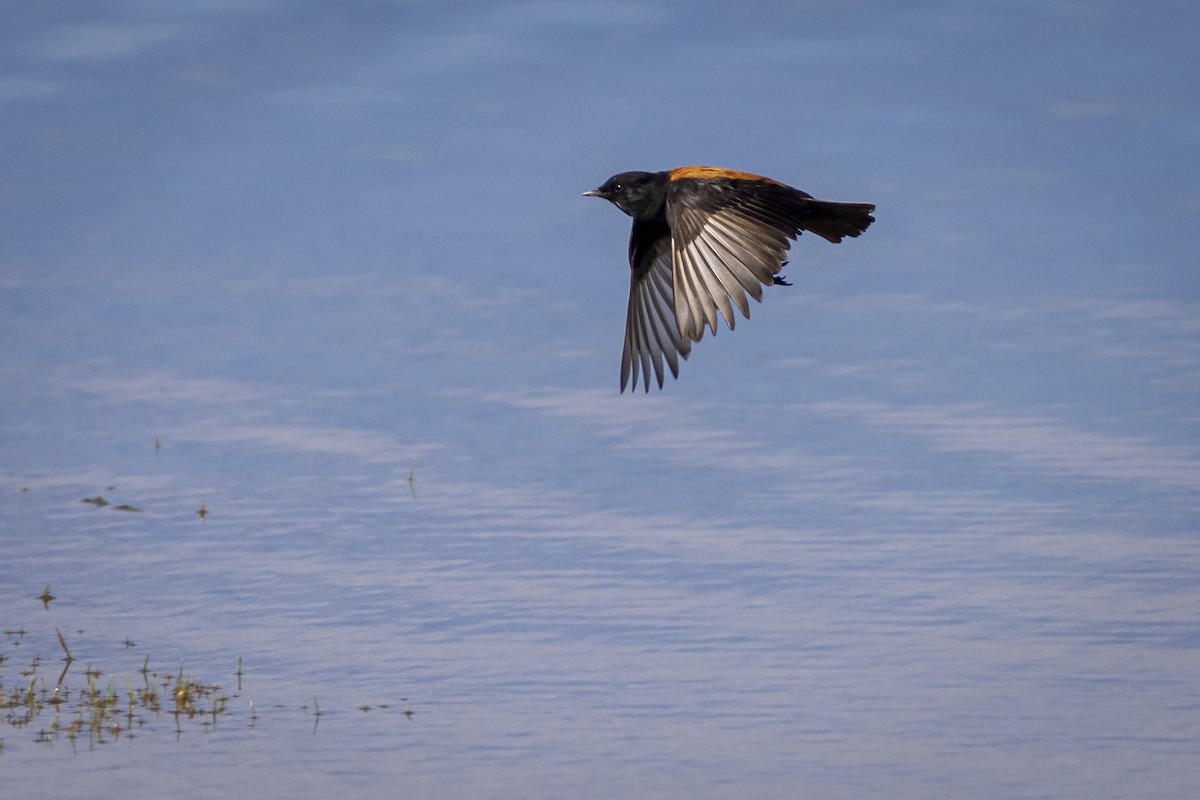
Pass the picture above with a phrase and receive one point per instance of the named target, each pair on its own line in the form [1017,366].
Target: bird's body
[704,237]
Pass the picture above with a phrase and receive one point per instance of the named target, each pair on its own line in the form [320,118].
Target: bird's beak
[593,193]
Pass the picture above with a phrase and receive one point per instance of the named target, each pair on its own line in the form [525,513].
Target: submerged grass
[89,706]
[97,711]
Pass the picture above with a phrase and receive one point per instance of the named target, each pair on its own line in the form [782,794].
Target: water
[924,527]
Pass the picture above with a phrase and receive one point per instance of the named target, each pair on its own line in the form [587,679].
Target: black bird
[702,237]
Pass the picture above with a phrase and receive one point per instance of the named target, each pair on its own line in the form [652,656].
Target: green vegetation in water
[88,705]
[98,711]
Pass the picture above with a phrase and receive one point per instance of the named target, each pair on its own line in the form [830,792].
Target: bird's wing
[727,242]
[730,233]
[651,333]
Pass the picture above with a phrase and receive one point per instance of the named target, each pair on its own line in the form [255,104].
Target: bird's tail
[833,221]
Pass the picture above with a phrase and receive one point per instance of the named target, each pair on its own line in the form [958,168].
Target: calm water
[926,526]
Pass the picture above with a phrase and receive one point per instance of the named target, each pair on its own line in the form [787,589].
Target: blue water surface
[924,527]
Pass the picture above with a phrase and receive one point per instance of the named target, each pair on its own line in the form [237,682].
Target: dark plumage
[704,237]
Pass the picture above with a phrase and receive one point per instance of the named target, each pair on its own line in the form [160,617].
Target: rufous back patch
[716,172]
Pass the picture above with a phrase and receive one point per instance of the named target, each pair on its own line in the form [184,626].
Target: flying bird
[705,237]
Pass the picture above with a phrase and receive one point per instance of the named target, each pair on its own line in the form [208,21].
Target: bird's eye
[617,187]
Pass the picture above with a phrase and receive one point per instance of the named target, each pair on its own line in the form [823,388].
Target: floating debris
[46,597]
[97,501]
[202,512]
[127,507]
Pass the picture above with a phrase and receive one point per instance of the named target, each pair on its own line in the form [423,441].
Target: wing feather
[694,306]
[651,331]
[693,260]
[719,256]
[736,257]
[718,276]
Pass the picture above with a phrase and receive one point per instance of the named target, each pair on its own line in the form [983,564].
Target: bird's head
[638,194]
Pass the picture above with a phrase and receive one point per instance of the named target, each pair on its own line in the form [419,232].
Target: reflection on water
[314,459]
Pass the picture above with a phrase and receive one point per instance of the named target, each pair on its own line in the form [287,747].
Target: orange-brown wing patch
[703,173]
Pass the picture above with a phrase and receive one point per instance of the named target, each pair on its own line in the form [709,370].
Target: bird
[703,238]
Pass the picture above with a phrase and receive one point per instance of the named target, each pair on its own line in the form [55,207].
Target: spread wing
[730,236]
[651,333]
